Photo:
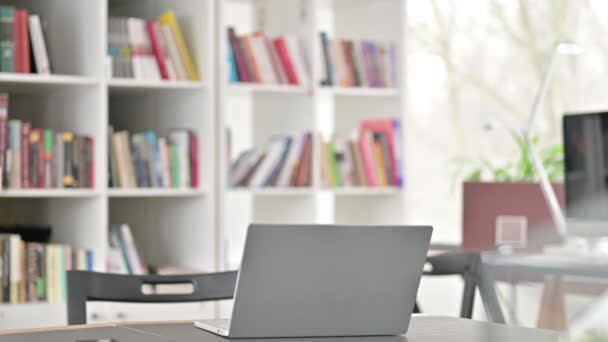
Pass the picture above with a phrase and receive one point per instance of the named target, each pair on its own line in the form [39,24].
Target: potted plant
[492,192]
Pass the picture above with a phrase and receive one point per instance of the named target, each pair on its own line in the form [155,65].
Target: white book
[132,254]
[244,168]
[38,45]
[176,59]
[262,54]
[164,162]
[137,59]
[15,264]
[292,158]
[151,66]
[273,155]
[298,60]
[163,47]
[276,62]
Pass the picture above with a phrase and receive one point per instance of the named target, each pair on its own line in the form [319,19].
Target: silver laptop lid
[328,280]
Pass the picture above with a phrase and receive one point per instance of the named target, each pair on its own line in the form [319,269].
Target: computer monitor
[586,173]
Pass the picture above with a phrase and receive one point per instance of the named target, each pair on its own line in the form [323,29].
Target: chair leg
[468,296]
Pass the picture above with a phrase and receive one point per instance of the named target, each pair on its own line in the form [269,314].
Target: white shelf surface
[32,81]
[270,191]
[245,88]
[128,85]
[358,91]
[154,193]
[48,193]
[366,191]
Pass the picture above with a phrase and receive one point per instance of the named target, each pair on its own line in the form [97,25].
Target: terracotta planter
[484,202]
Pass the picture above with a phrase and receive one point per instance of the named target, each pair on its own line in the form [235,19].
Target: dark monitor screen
[586,165]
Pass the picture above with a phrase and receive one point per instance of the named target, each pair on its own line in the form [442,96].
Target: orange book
[250,55]
[379,163]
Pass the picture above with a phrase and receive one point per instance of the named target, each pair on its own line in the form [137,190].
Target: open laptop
[325,280]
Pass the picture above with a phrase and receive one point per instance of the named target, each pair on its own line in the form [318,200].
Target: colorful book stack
[21,38]
[285,161]
[373,159]
[41,158]
[36,272]
[145,161]
[261,59]
[150,50]
[365,63]
[123,256]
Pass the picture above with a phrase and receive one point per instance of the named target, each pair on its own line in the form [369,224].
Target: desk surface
[542,264]
[422,329]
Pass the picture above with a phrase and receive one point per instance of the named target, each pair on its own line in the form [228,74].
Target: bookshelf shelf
[15,81]
[154,193]
[362,92]
[119,85]
[362,191]
[248,88]
[274,191]
[49,193]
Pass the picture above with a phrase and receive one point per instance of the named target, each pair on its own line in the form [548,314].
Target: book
[134,260]
[14,146]
[304,175]
[7,38]
[387,128]
[366,148]
[39,49]
[239,54]
[22,63]
[25,154]
[3,139]
[327,59]
[162,57]
[169,19]
[282,46]
[336,178]
[194,160]
[379,163]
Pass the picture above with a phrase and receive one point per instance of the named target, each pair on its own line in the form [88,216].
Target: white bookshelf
[197,228]
[172,227]
[255,112]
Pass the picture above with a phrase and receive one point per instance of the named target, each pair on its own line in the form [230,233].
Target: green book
[175,166]
[7,42]
[333,165]
[48,141]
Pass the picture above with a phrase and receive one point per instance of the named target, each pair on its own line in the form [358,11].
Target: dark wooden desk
[422,329]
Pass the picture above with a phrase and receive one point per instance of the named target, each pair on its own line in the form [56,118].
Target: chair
[465,264]
[92,286]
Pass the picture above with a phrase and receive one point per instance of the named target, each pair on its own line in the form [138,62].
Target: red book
[157,48]
[25,155]
[385,127]
[91,162]
[194,160]
[281,45]
[21,57]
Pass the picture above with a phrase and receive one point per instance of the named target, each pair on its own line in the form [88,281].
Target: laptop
[325,280]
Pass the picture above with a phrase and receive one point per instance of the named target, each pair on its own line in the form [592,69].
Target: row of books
[123,256]
[373,158]
[150,50]
[36,272]
[348,63]
[22,43]
[143,160]
[261,59]
[41,158]
[284,161]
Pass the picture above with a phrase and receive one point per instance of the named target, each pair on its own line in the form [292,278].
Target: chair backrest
[92,286]
[465,264]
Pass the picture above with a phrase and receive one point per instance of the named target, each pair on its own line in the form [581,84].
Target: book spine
[7,38]
[48,158]
[3,138]
[175,167]
[91,162]
[250,56]
[398,153]
[6,270]
[15,148]
[194,160]
[333,165]
[304,172]
[329,73]
[157,48]
[388,162]
[378,157]
[282,50]
[131,250]
[170,20]
[15,268]
[25,155]
[38,45]
[22,42]
[35,158]
[68,166]
[365,145]
[239,54]
[233,73]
